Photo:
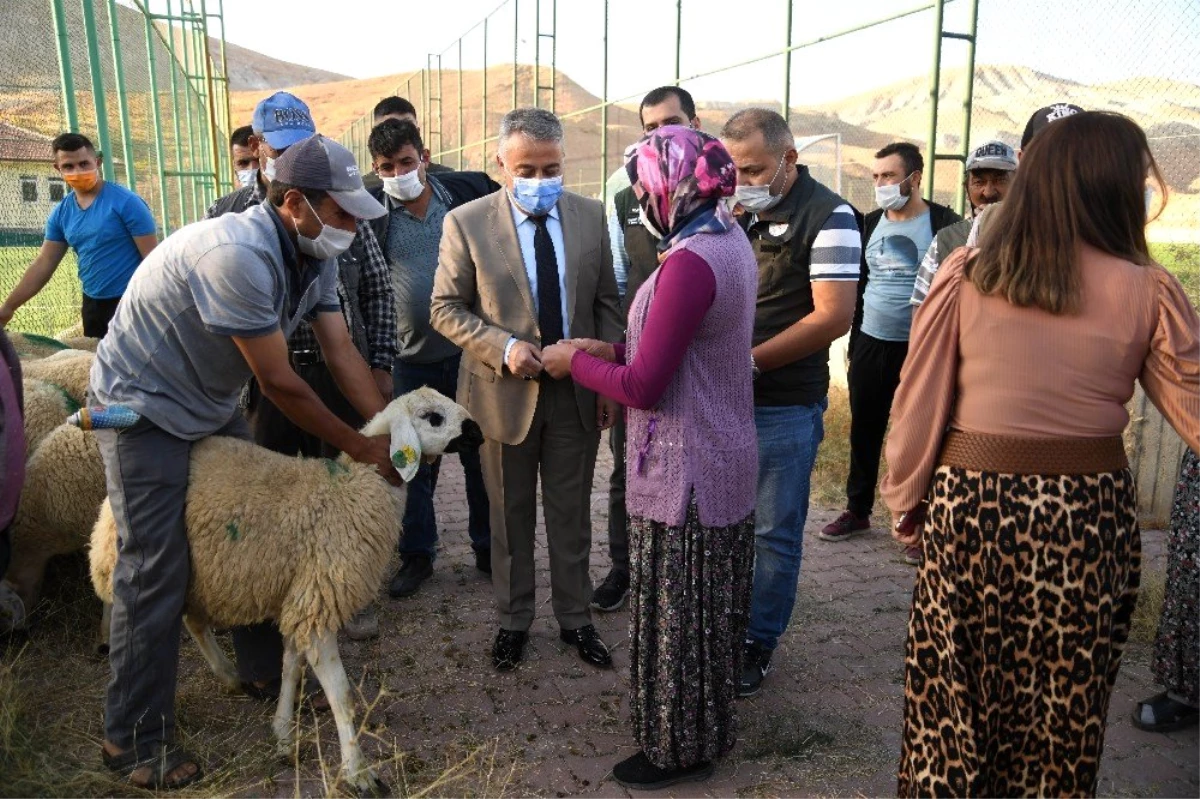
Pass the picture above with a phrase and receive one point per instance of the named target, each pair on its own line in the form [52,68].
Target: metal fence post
[678,39]
[159,151]
[98,96]
[66,77]
[604,117]
[122,98]
[516,47]
[175,113]
[968,102]
[787,68]
[934,90]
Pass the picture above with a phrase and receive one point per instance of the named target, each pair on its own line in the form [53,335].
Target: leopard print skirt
[1020,615]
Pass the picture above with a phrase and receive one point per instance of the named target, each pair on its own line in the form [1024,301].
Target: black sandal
[1169,715]
[164,759]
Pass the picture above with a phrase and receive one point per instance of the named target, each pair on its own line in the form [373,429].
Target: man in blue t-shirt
[109,227]
[895,236]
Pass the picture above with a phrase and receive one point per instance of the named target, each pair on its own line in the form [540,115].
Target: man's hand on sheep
[376,451]
[524,360]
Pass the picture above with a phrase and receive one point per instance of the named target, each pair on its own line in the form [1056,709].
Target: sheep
[87,343]
[60,502]
[301,541]
[46,407]
[31,345]
[67,369]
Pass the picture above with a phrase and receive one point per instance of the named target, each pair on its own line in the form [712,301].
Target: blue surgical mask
[536,196]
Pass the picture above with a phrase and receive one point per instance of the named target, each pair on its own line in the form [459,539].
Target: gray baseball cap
[992,155]
[321,163]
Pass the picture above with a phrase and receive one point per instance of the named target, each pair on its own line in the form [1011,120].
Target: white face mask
[329,243]
[246,177]
[646,223]
[269,169]
[889,197]
[1149,199]
[757,199]
[406,187]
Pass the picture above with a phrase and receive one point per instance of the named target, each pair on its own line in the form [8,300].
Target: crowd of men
[311,295]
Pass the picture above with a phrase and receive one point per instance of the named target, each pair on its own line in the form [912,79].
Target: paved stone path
[827,722]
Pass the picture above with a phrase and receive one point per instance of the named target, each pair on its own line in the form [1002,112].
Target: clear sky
[1085,40]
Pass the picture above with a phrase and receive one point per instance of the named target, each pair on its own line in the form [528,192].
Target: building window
[58,189]
[29,191]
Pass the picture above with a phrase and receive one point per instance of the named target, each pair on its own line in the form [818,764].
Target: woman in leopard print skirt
[1008,424]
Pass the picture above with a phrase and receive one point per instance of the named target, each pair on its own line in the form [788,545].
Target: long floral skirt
[1020,615]
[690,603]
[1177,647]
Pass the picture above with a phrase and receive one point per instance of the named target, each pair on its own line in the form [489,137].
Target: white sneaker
[364,625]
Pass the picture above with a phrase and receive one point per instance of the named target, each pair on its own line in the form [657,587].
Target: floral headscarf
[680,177]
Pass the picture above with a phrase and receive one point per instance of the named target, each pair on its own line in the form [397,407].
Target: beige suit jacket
[481,297]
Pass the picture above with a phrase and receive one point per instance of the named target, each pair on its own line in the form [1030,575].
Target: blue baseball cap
[282,119]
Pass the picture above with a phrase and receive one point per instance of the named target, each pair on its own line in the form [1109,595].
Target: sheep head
[424,424]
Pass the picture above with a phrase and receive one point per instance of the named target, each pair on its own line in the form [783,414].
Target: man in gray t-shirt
[213,304]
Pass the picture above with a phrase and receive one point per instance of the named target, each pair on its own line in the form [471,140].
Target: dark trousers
[618,516]
[97,314]
[147,475]
[420,524]
[873,377]
[271,428]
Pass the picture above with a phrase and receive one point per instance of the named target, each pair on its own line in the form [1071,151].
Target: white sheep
[60,501]
[68,369]
[46,407]
[301,541]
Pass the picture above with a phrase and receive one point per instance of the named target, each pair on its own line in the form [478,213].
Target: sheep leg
[326,661]
[217,661]
[285,710]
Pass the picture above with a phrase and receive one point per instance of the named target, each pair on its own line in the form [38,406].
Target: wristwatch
[755,372]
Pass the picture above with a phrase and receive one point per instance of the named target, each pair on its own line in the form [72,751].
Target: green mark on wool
[70,402]
[45,341]
[335,469]
[232,531]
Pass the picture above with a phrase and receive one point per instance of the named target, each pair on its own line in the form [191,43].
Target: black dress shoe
[508,649]
[483,560]
[640,774]
[590,647]
[413,571]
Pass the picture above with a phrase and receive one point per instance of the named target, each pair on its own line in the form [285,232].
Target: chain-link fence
[852,78]
[138,80]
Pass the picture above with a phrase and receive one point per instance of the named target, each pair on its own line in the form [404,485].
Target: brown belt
[1012,455]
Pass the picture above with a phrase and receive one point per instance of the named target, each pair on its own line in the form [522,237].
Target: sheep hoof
[369,785]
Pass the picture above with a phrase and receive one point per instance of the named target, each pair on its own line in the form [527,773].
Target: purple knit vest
[699,441]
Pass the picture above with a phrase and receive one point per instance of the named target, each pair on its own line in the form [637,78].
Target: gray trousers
[147,475]
[563,452]
[618,516]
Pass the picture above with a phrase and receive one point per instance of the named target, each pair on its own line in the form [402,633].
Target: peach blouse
[981,365]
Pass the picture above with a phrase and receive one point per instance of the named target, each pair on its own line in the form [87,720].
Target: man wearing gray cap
[988,174]
[213,304]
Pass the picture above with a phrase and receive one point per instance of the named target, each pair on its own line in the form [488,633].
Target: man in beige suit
[519,270]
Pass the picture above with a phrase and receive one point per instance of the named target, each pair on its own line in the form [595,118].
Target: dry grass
[833,458]
[1149,607]
[51,699]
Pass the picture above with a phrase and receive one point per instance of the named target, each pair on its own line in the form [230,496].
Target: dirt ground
[440,721]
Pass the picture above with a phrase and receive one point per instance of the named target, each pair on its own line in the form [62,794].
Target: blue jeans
[420,526]
[788,438]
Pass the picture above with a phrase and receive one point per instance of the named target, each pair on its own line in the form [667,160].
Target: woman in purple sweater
[692,461]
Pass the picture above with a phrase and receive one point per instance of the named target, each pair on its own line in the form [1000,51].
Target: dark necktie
[550,318]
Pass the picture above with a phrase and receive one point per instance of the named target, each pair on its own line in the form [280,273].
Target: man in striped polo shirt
[807,242]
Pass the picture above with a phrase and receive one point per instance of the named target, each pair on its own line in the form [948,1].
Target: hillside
[30,52]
